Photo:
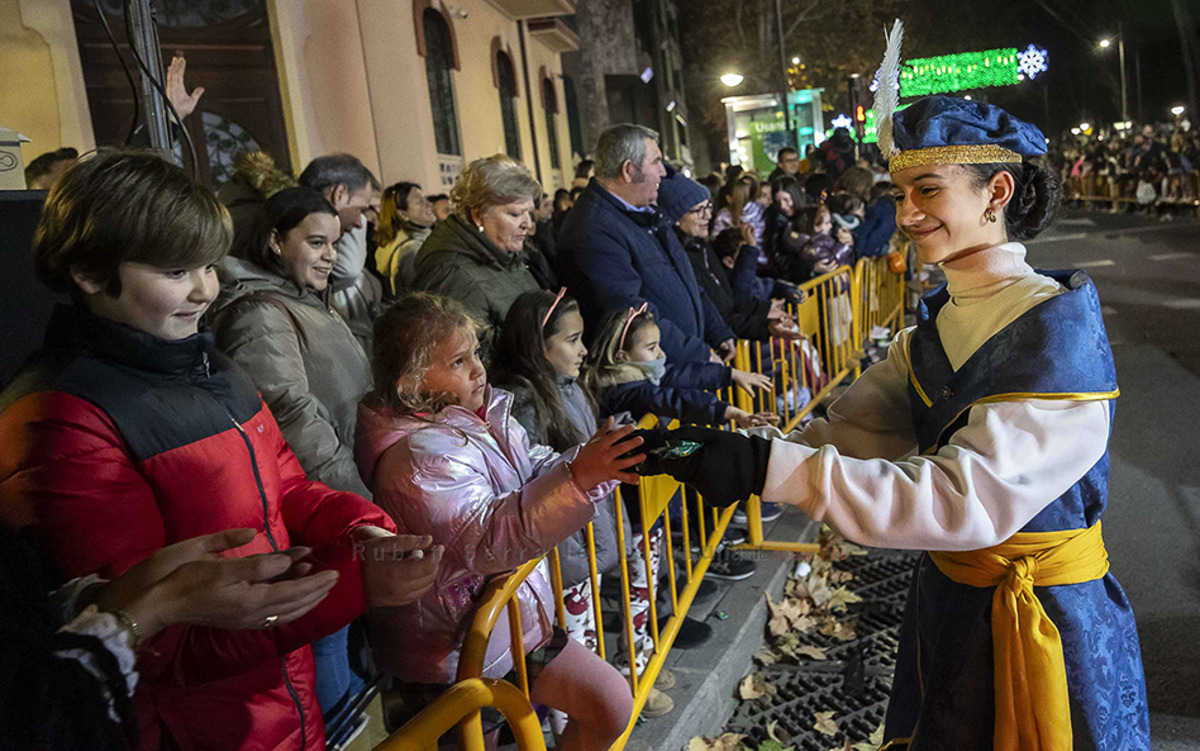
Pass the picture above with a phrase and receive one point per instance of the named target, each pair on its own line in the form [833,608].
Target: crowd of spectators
[1150,168]
[309,357]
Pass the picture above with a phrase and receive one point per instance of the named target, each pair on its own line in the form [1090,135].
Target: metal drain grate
[803,693]
[859,703]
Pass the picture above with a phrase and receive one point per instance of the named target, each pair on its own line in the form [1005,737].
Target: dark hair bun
[1035,201]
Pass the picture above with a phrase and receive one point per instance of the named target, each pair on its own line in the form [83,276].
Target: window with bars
[439,60]
[550,103]
[508,105]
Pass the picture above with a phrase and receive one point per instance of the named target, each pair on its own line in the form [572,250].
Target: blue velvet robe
[943,694]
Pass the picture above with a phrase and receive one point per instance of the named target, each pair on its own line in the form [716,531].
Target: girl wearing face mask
[629,372]
[446,458]
[538,359]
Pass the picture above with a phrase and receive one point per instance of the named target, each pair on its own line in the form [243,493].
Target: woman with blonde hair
[477,256]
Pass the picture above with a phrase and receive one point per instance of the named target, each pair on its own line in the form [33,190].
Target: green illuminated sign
[966,70]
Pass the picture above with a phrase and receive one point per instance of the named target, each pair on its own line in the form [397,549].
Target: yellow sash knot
[1033,711]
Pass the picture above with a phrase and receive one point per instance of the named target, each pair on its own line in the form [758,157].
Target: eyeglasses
[704,208]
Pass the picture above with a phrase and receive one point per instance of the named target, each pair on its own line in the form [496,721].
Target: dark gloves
[724,467]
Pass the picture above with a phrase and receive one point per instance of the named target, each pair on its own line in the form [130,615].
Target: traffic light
[860,114]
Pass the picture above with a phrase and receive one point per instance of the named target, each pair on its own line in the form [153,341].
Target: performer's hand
[726,468]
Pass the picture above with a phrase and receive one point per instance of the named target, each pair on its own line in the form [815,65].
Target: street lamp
[1178,110]
[732,79]
[796,60]
[1105,44]
[1085,127]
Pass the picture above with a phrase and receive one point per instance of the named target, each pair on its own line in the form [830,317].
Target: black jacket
[748,316]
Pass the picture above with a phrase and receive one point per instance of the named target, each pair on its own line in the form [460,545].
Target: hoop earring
[991,215]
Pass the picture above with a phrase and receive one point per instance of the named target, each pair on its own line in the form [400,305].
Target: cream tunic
[859,470]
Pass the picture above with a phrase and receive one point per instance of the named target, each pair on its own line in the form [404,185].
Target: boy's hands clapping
[607,457]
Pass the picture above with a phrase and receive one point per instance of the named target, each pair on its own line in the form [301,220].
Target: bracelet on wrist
[132,626]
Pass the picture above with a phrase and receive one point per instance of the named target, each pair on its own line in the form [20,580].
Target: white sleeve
[115,637]
[872,419]
[1008,462]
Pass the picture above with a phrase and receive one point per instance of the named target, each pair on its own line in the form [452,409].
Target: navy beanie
[678,194]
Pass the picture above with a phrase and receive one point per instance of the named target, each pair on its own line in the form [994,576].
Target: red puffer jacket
[116,444]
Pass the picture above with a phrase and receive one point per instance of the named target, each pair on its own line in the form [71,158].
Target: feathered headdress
[887,95]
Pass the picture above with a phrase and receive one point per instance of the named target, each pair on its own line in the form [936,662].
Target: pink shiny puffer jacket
[493,499]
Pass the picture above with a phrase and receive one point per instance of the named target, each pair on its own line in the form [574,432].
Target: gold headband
[970,154]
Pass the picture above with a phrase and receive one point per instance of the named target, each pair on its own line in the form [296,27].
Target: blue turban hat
[948,130]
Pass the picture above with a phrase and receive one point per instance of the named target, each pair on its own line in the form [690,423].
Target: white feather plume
[887,95]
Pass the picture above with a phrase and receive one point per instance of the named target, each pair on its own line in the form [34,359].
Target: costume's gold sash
[1033,711]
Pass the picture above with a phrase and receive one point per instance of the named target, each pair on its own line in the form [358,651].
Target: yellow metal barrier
[463,699]
[838,312]
[498,598]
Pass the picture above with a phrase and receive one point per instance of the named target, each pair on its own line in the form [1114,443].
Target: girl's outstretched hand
[607,456]
[746,419]
[749,381]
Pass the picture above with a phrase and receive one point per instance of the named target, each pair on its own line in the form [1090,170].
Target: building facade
[414,88]
[629,69]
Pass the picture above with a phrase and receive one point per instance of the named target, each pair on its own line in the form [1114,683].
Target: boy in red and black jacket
[129,432]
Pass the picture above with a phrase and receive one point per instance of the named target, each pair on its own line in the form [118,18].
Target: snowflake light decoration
[842,121]
[1033,61]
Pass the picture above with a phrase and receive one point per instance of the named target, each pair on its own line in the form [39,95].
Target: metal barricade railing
[881,296]
[655,501]
[839,310]
[465,699]
[833,313]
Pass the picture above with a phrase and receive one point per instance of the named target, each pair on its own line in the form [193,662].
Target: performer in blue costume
[982,439]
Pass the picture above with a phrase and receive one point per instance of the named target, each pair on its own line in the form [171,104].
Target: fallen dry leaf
[840,597]
[727,742]
[877,736]
[754,687]
[808,650]
[840,630]
[825,724]
[873,743]
[766,656]
[775,734]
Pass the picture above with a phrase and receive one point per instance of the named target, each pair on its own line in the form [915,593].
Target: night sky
[1083,82]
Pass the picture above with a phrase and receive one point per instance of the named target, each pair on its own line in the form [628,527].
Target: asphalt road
[1148,275]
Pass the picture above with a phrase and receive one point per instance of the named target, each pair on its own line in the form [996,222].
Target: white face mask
[655,369]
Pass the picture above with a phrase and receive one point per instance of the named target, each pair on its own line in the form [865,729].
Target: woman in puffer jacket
[273,317]
[444,456]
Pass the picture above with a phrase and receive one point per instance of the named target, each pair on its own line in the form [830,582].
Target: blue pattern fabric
[950,121]
[943,694]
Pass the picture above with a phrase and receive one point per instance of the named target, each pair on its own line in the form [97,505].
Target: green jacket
[303,359]
[457,261]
